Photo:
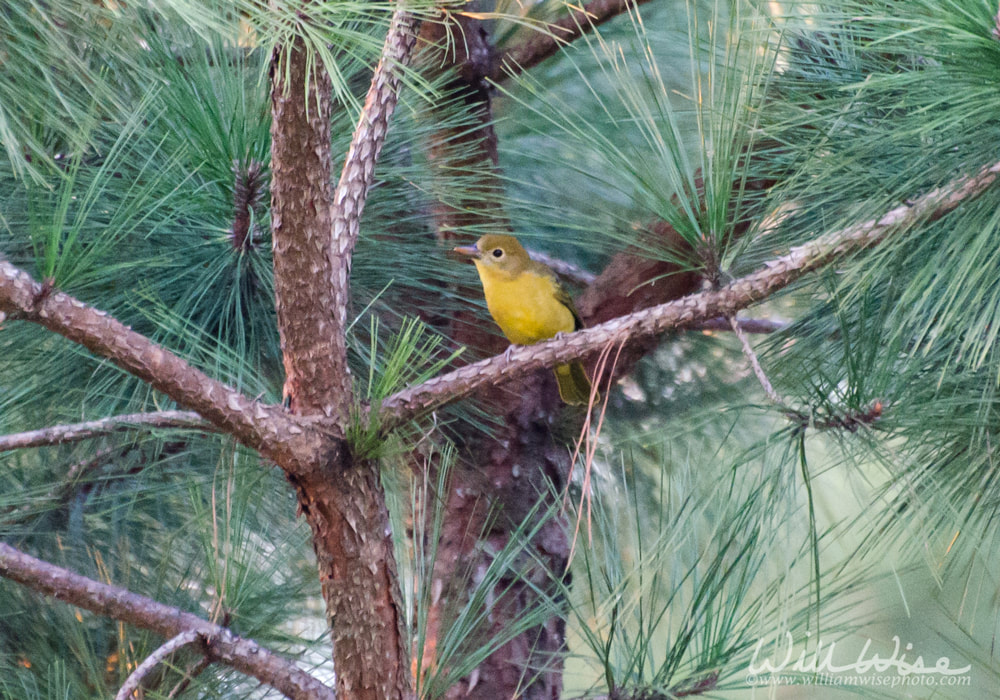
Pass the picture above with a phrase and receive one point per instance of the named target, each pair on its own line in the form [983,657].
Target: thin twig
[850,420]
[747,325]
[131,683]
[75,432]
[221,645]
[739,294]
[189,675]
[751,356]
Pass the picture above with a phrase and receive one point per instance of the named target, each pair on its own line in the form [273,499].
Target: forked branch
[137,676]
[219,643]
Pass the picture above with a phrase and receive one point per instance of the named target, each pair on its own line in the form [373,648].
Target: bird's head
[497,252]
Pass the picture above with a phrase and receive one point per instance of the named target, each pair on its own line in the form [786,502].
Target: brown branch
[220,644]
[315,227]
[76,432]
[369,136]
[314,233]
[135,678]
[313,349]
[263,427]
[539,46]
[775,275]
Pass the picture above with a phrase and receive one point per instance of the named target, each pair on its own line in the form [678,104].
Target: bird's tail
[574,386]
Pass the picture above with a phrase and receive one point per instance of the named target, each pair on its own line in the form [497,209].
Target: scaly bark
[218,643]
[265,428]
[313,343]
[314,230]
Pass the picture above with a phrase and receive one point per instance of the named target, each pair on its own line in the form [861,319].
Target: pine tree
[248,399]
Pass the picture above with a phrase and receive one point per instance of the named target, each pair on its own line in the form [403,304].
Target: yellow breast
[525,305]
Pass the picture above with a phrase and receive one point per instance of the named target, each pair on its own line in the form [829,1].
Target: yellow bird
[525,299]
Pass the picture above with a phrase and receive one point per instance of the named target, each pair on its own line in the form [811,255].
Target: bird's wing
[562,296]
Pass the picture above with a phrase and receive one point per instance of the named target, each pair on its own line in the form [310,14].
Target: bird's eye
[498,252]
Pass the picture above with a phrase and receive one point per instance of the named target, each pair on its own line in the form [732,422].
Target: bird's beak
[468,251]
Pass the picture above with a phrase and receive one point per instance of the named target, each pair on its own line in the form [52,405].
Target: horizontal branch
[739,294]
[541,45]
[358,174]
[220,644]
[263,427]
[76,432]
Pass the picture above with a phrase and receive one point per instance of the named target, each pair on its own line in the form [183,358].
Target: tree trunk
[339,494]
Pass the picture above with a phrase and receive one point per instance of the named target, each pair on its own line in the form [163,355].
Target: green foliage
[671,122]
[410,358]
[134,175]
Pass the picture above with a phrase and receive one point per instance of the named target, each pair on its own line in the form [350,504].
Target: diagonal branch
[726,301]
[76,432]
[538,46]
[220,644]
[369,136]
[135,679]
[314,228]
[263,427]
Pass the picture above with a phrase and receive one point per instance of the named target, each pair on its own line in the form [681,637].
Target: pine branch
[219,643]
[726,301]
[312,344]
[262,427]
[135,678]
[366,145]
[311,266]
[76,432]
[850,420]
[541,45]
